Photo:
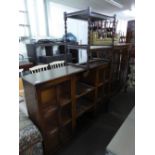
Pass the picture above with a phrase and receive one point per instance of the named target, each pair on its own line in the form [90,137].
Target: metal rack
[89,16]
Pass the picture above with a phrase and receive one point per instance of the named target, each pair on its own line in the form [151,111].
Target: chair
[39,68]
[21,72]
[57,64]
[21,89]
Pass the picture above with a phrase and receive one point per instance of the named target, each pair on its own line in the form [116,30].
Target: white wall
[76,27]
[122,26]
[124,17]
[56,23]
[22,49]
[37,17]
[37,22]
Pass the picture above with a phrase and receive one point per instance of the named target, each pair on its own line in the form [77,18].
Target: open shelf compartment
[66,116]
[64,93]
[83,89]
[85,103]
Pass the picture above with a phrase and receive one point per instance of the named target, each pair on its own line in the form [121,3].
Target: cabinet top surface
[85,14]
[53,74]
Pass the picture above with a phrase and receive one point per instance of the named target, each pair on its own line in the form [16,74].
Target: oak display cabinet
[57,98]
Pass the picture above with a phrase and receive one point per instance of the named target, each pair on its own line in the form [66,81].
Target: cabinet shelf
[49,110]
[66,120]
[53,131]
[49,104]
[64,101]
[83,89]
[83,105]
[83,109]
[100,84]
[106,81]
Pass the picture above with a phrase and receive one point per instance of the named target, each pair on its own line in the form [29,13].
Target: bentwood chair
[21,89]
[57,64]
[38,68]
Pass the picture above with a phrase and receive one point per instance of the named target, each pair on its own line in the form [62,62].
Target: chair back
[57,64]
[38,68]
[21,88]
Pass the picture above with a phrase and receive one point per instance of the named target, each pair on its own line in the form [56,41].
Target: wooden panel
[31,98]
[21,89]
[51,120]
[101,73]
[107,74]
[73,97]
[48,96]
[66,133]
[64,92]
[66,115]
[51,143]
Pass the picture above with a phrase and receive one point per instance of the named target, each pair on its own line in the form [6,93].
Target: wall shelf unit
[100,24]
[103,45]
